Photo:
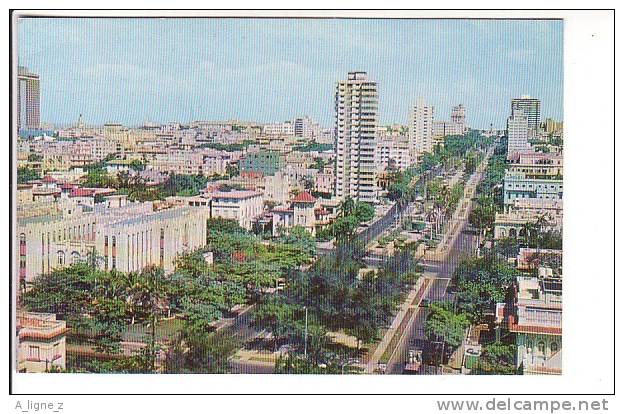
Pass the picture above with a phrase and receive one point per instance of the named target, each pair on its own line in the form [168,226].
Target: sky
[268,70]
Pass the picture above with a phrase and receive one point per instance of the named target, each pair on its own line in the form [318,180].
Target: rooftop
[304,197]
[235,194]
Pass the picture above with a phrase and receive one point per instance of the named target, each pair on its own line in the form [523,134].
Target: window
[554,347]
[541,348]
[529,346]
[33,352]
[60,257]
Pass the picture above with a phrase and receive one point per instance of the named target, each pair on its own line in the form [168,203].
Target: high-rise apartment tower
[355,128]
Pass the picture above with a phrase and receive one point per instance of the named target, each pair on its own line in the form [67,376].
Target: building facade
[517,133]
[536,321]
[126,237]
[40,342]
[421,128]
[356,103]
[518,185]
[242,206]
[28,99]
[531,107]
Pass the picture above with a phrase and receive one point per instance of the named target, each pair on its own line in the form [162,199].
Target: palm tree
[347,206]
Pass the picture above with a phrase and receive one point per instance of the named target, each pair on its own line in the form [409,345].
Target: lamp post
[305,335]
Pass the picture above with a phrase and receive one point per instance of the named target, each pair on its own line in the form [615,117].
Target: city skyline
[164,74]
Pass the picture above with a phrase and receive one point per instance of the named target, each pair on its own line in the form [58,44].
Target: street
[440,273]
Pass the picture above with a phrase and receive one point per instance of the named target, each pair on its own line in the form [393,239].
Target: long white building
[355,137]
[126,238]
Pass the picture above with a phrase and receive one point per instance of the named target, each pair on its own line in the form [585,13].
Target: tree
[231,170]
[25,174]
[32,157]
[199,316]
[481,284]
[443,323]
[497,359]
[347,206]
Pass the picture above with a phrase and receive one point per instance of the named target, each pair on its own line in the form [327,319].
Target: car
[413,365]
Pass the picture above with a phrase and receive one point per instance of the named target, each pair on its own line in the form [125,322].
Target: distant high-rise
[517,132]
[531,108]
[421,128]
[27,99]
[458,118]
[355,137]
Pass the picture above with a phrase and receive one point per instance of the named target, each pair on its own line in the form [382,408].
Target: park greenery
[334,295]
[313,146]
[228,147]
[137,189]
[480,284]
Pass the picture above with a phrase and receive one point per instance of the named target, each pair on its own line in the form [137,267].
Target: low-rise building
[243,206]
[548,213]
[191,162]
[40,342]
[300,212]
[536,321]
[518,185]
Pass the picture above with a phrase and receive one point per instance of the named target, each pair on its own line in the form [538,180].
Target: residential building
[306,128]
[356,103]
[421,128]
[300,212]
[536,321]
[517,132]
[518,185]
[458,119]
[191,162]
[537,164]
[394,154]
[512,223]
[553,127]
[40,342]
[28,99]
[243,206]
[280,128]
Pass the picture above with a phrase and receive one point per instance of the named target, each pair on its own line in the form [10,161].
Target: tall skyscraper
[421,128]
[517,132]
[531,108]
[27,99]
[458,118]
[355,137]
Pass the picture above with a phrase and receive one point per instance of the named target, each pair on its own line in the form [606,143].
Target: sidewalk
[418,291]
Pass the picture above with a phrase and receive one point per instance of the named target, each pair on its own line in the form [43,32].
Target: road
[440,274]
[458,245]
